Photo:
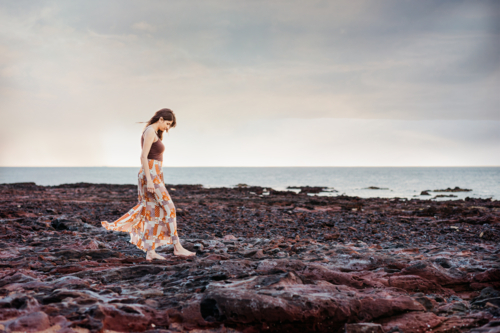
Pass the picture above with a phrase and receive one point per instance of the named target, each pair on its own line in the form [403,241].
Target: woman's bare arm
[149,137]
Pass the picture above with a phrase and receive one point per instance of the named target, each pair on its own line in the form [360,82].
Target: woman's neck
[154,126]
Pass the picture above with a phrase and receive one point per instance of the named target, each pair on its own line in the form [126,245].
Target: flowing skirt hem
[152,222]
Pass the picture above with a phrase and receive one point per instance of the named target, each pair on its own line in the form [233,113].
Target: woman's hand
[150,186]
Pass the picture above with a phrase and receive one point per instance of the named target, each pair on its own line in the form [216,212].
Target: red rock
[428,302]
[126,318]
[318,272]
[481,286]
[412,322]
[91,245]
[216,257]
[372,308]
[453,307]
[31,322]
[491,327]
[437,274]
[456,324]
[331,236]
[363,328]
[259,254]
[298,304]
[491,275]
[190,314]
[414,283]
[411,250]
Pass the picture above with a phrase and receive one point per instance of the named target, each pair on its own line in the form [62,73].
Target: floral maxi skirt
[152,222]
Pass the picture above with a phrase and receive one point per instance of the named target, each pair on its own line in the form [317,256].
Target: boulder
[31,322]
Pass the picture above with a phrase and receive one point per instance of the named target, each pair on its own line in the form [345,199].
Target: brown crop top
[156,151]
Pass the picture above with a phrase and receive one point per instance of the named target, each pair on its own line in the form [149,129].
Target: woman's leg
[148,197]
[169,210]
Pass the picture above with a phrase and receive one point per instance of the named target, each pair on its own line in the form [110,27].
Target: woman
[152,222]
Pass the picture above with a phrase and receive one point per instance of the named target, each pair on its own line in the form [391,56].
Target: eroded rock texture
[282,262]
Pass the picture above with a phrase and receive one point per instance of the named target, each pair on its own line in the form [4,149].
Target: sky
[252,83]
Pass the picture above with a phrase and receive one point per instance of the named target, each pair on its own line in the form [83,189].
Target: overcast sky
[253,83]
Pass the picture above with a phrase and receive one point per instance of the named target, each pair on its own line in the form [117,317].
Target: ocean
[403,182]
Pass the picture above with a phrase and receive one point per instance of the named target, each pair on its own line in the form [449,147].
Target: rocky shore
[279,262]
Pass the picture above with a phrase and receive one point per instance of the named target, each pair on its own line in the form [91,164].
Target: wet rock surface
[285,261]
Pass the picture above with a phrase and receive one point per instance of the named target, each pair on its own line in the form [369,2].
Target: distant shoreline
[292,190]
[365,182]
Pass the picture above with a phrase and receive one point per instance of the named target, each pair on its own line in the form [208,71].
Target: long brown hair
[167,115]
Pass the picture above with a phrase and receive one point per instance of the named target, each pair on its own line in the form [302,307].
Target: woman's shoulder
[149,133]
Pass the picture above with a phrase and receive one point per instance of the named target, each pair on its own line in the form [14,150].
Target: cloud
[96,66]
[143,26]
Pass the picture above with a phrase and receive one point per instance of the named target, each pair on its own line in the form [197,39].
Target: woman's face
[165,124]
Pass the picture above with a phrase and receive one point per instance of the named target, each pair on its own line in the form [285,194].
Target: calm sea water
[399,181]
